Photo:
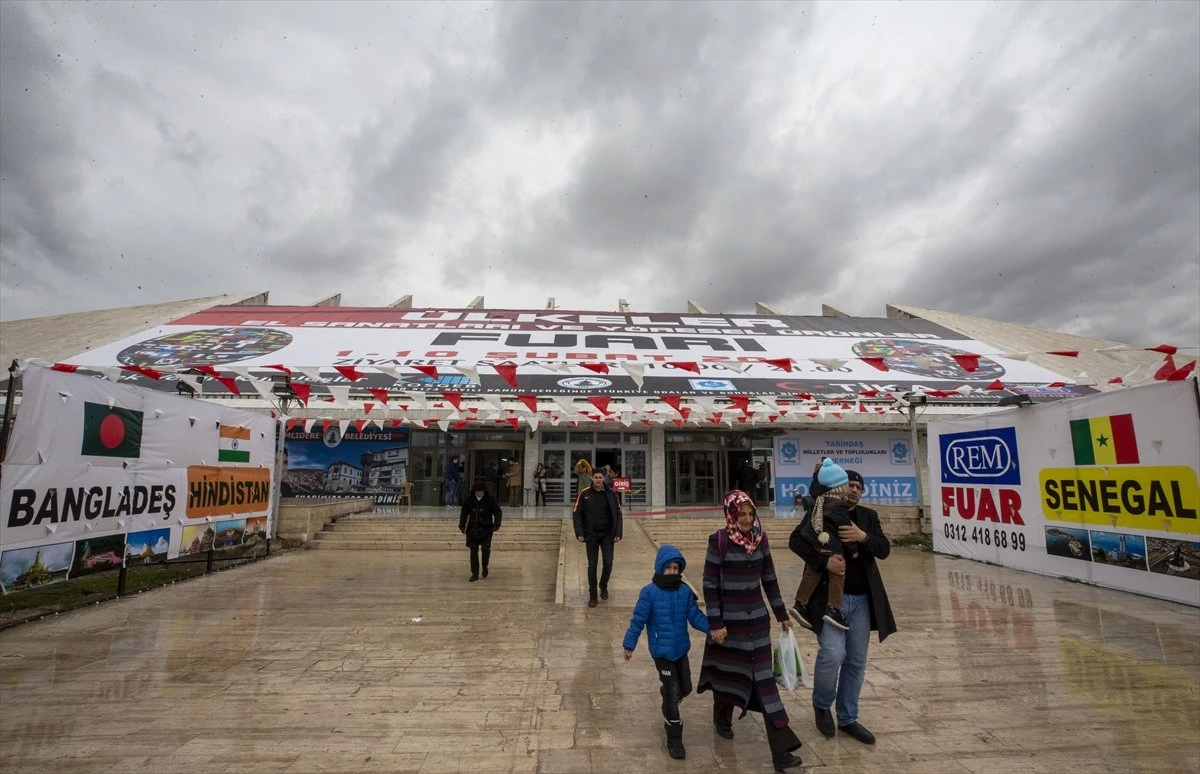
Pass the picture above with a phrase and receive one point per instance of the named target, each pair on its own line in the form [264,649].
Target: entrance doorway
[750,471]
[491,466]
[694,476]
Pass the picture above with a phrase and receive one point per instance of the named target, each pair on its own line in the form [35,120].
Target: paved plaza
[388,660]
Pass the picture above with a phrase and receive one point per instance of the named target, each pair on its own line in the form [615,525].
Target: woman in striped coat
[737,664]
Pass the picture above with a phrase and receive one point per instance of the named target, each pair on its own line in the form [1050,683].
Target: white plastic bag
[789,666]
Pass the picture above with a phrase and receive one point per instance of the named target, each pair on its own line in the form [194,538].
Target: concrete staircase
[415,533]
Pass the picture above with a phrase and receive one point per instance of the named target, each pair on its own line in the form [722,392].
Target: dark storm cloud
[1033,163]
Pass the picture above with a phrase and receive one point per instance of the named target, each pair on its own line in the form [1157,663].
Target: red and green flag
[111,432]
[1104,440]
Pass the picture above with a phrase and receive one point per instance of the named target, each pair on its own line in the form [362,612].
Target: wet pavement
[315,661]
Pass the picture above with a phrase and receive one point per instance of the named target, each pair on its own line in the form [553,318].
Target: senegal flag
[1104,440]
[235,444]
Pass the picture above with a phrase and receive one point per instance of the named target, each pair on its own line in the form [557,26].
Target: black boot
[723,719]
[675,739]
[824,721]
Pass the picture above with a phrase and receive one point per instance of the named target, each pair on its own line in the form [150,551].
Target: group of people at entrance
[841,598]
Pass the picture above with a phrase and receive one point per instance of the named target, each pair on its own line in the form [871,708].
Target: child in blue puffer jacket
[666,606]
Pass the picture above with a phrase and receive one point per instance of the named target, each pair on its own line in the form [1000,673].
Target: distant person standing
[453,481]
[514,483]
[747,478]
[539,485]
[597,520]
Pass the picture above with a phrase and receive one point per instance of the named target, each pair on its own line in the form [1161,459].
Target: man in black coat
[479,519]
[597,518]
[841,664]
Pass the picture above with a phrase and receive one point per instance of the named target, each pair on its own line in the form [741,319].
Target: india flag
[235,444]
[1104,440]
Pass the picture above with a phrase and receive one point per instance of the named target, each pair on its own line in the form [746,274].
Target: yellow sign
[1158,498]
[224,491]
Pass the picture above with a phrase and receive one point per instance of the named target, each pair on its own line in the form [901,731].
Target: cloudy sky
[1035,163]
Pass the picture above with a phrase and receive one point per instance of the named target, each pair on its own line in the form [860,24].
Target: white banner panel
[96,471]
[1101,488]
[884,459]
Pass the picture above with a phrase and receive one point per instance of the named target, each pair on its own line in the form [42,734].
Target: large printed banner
[249,339]
[883,458]
[98,474]
[367,463]
[1102,489]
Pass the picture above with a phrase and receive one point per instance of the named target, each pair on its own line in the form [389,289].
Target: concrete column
[533,455]
[658,467]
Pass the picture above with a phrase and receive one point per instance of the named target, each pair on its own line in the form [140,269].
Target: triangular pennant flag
[780,362]
[741,402]
[470,372]
[428,370]
[454,398]
[1065,353]
[495,401]
[339,393]
[460,424]
[358,425]
[443,424]
[390,371]
[279,367]
[530,401]
[111,373]
[66,368]
[557,367]
[600,401]
[875,362]
[508,372]
[830,363]
[968,361]
[996,385]
[312,374]
[380,394]
[262,386]
[367,406]
[1120,353]
[567,403]
[1021,356]
[343,426]
[1181,374]
[733,365]
[532,421]
[686,365]
[292,424]
[637,372]
[674,401]
[149,373]
[302,392]
[308,424]
[515,422]
[636,402]
[350,372]
[1166,349]
[600,368]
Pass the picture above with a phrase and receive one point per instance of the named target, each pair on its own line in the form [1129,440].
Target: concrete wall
[300,519]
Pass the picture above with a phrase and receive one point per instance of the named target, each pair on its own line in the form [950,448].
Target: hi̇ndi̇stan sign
[1103,489]
[99,473]
[917,353]
[883,458]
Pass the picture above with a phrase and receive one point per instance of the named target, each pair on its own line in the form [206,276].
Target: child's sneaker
[833,617]
[797,613]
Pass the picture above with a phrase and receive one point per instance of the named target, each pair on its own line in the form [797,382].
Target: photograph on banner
[148,547]
[97,554]
[883,458]
[29,568]
[326,462]
[1174,557]
[913,351]
[1104,489]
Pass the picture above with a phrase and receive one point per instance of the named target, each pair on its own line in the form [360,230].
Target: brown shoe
[592,602]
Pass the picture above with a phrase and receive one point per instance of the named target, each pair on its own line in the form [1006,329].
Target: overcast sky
[1034,163]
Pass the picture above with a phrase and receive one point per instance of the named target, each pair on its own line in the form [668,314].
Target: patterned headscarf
[733,503]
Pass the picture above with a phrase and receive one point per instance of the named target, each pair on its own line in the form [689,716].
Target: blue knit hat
[831,476]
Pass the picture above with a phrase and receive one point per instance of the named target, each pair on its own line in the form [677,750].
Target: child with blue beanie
[666,606]
[819,528]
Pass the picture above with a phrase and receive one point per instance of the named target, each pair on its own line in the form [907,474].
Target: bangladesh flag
[111,432]
[1104,440]
[235,444]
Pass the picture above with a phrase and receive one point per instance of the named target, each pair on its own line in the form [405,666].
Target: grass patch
[918,541]
[19,606]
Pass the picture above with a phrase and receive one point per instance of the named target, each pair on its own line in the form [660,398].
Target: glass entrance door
[491,467]
[693,476]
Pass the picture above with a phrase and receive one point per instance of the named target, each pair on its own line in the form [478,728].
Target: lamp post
[915,400]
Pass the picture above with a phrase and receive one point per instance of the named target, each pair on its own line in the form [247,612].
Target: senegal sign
[1117,498]
[92,465]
